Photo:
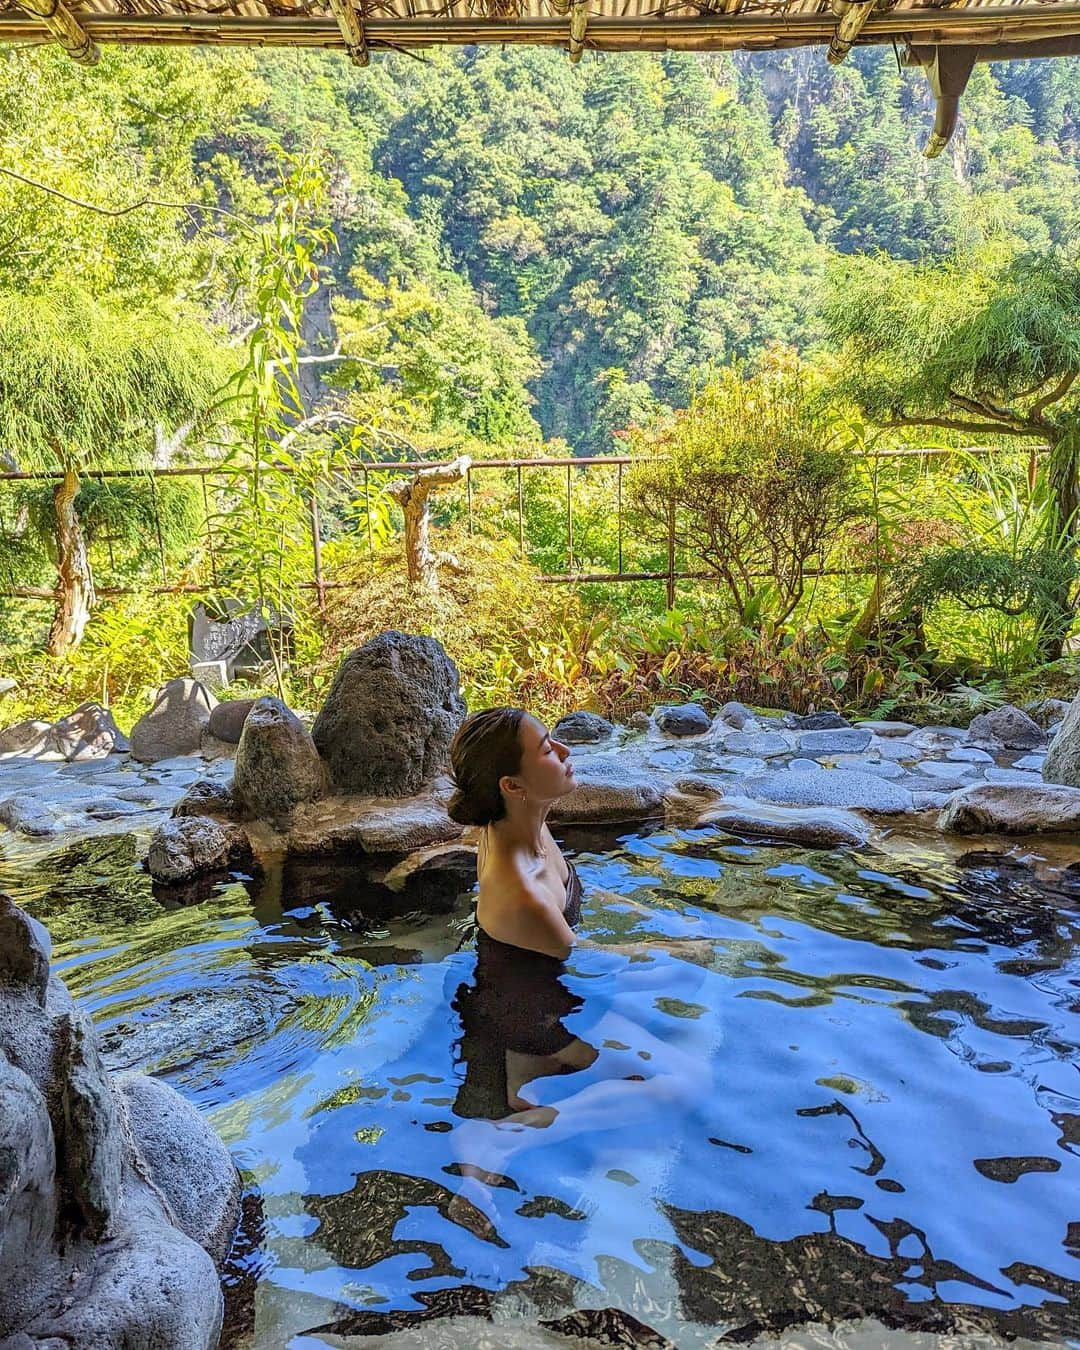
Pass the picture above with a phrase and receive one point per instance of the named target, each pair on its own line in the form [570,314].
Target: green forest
[739,270]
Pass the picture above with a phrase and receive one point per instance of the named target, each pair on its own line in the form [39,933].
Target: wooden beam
[948,70]
[579,23]
[65,28]
[352,30]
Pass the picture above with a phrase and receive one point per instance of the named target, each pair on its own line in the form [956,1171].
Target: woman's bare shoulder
[514,908]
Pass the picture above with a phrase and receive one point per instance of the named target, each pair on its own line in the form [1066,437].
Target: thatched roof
[945,38]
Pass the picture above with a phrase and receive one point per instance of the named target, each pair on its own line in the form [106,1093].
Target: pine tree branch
[1055,395]
[954,424]
[985,408]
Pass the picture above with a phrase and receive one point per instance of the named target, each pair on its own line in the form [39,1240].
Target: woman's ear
[511,787]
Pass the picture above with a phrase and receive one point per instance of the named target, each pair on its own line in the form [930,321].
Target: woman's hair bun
[486,748]
[464,810]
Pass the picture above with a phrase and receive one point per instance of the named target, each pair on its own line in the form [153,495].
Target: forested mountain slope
[593,234]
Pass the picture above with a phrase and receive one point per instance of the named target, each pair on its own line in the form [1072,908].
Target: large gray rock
[1048,712]
[28,814]
[277,765]
[186,846]
[847,788]
[986,808]
[207,799]
[762,744]
[819,721]
[175,724]
[815,827]
[228,718]
[25,949]
[609,790]
[189,1164]
[387,724]
[683,719]
[1006,726]
[1062,763]
[28,1195]
[33,739]
[737,715]
[108,1234]
[88,733]
[582,728]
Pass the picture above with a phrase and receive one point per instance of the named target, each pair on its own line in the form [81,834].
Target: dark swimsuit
[516,1002]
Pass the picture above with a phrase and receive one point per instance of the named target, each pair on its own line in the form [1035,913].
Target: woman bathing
[516,1049]
[509,771]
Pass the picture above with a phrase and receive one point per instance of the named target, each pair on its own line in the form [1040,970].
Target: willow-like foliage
[82,382]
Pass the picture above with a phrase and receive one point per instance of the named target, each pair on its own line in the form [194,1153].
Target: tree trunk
[75,582]
[413,499]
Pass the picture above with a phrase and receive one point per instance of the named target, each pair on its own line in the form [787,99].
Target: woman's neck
[522,829]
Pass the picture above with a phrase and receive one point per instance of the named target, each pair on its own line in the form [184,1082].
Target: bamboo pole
[352,30]
[579,23]
[851,19]
[65,29]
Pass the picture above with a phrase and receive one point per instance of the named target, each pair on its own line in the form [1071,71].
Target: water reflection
[785,1086]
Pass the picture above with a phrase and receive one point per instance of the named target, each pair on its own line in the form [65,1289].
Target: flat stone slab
[847,788]
[969,754]
[995,774]
[880,768]
[370,824]
[901,750]
[1001,808]
[761,744]
[610,790]
[742,764]
[955,774]
[842,741]
[886,728]
[815,827]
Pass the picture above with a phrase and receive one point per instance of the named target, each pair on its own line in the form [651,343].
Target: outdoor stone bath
[225,785]
[371,777]
[297,994]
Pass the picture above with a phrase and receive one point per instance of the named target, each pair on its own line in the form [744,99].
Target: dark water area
[793,1087]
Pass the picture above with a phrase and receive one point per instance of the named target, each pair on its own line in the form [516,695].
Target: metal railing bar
[403,466]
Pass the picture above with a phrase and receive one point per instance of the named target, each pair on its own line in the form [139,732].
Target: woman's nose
[564,750]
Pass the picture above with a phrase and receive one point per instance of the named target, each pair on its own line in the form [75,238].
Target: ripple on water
[795,1087]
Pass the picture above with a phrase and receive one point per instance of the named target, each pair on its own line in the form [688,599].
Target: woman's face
[546,771]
